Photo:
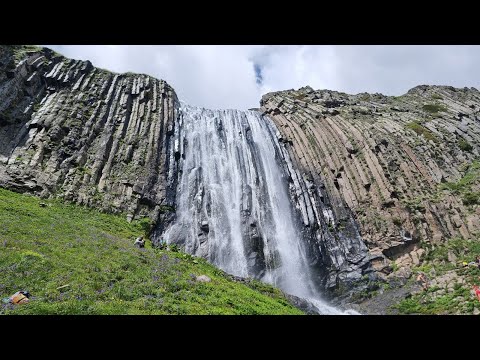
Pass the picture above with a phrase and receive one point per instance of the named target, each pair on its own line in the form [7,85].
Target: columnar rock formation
[372,177]
[385,158]
[84,134]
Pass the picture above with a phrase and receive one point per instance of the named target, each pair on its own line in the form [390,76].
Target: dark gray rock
[302,304]
[204,226]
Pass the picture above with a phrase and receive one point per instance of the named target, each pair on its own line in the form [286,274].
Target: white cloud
[224,76]
[209,76]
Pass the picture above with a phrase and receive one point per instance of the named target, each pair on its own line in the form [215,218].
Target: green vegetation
[19,51]
[463,249]
[447,304]
[300,96]
[471,176]
[434,108]
[84,170]
[464,145]
[146,224]
[75,260]
[166,208]
[330,226]
[456,299]
[437,97]
[464,186]
[414,204]
[421,130]
[397,221]
[394,266]
[471,198]
[379,221]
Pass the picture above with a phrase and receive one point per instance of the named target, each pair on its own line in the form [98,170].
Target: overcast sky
[236,76]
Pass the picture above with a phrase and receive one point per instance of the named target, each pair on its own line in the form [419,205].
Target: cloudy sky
[236,76]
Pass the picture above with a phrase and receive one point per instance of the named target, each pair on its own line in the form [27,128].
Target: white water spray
[233,206]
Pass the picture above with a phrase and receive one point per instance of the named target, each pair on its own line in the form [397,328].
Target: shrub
[434,108]
[471,198]
[464,145]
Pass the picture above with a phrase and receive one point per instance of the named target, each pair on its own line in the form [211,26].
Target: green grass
[19,51]
[471,198]
[421,130]
[446,304]
[471,176]
[433,108]
[465,186]
[463,249]
[75,260]
[451,302]
[415,204]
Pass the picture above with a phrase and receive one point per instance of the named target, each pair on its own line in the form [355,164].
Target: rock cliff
[399,164]
[84,134]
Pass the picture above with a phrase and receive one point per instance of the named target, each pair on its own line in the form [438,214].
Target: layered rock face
[83,134]
[388,164]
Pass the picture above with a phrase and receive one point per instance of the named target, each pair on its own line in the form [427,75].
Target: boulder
[203,278]
[139,242]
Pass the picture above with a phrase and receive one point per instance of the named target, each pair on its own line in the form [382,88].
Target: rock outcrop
[391,162]
[84,134]
[373,178]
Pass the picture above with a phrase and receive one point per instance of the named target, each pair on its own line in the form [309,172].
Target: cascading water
[233,206]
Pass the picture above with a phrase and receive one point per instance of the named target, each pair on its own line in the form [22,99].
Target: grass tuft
[421,130]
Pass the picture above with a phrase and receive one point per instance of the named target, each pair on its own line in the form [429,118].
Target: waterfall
[233,206]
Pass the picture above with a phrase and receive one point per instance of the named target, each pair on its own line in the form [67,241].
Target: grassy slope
[44,248]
